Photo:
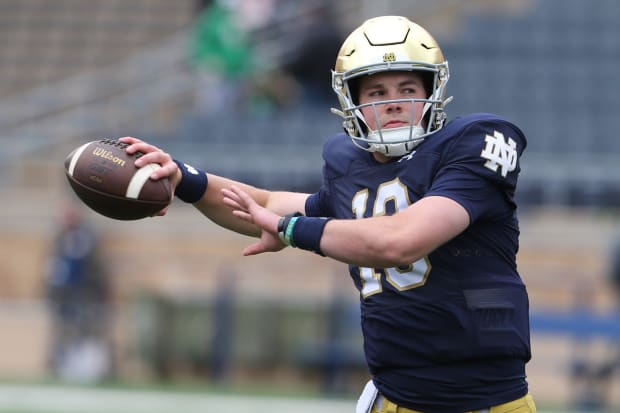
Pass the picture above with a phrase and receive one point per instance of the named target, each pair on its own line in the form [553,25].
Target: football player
[421,209]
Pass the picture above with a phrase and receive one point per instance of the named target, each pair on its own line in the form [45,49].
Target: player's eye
[376,93]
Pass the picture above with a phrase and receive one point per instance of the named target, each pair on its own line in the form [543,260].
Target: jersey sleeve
[317,204]
[338,153]
[479,170]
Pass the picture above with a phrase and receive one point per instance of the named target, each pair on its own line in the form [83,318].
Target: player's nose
[392,107]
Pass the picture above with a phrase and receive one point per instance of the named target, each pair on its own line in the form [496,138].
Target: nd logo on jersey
[500,153]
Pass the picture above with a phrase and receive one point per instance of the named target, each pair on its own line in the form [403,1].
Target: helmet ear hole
[428,78]
[354,89]
[354,93]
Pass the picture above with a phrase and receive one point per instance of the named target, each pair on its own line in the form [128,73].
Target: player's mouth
[395,123]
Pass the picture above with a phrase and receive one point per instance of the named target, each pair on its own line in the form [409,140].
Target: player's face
[391,86]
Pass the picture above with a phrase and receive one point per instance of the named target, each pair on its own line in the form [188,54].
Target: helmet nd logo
[389,57]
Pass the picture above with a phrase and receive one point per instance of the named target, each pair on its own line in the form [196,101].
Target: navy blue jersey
[450,332]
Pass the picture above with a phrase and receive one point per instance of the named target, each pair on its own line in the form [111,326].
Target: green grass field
[50,398]
[19,398]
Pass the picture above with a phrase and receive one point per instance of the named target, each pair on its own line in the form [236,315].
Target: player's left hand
[245,208]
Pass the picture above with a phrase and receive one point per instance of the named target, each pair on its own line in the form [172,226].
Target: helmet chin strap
[378,140]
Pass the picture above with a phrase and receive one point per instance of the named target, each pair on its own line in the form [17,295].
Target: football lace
[119,144]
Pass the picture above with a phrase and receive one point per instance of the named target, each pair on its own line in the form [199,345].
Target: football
[105,178]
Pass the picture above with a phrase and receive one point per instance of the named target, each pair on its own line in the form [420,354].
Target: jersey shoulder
[339,154]
[482,144]
[479,137]
[478,125]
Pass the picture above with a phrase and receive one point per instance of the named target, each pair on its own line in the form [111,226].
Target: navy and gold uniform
[451,331]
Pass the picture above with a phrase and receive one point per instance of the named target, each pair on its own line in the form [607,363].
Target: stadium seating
[553,70]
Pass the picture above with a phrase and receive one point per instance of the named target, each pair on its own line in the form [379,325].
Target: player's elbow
[394,252]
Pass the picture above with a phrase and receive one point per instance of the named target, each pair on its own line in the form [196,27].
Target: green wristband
[283,225]
[288,234]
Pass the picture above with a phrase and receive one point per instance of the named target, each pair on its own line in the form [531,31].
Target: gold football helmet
[390,43]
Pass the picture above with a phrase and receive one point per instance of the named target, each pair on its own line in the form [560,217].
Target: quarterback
[421,209]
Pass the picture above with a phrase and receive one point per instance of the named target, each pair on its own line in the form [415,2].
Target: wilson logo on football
[102,153]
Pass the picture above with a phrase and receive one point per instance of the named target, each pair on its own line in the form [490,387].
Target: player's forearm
[396,240]
[212,206]
[370,242]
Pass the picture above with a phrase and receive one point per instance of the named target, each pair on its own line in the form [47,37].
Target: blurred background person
[221,341]
[316,46]
[78,294]
[221,55]
[614,272]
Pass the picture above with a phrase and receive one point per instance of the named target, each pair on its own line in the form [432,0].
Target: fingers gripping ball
[105,178]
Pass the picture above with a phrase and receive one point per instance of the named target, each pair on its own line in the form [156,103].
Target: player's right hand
[153,154]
